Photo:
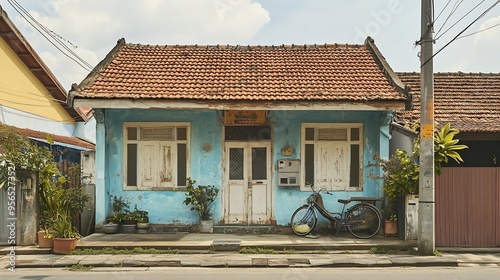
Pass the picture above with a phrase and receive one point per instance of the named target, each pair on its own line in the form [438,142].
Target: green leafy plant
[120,210]
[200,198]
[393,218]
[62,226]
[140,216]
[23,154]
[445,146]
[58,195]
[120,204]
[401,171]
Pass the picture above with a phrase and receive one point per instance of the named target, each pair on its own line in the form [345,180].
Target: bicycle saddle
[344,201]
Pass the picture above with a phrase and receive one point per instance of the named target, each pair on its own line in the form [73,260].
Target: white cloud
[475,53]
[94,26]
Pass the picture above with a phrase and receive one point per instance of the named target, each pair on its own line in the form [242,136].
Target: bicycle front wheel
[303,220]
[363,220]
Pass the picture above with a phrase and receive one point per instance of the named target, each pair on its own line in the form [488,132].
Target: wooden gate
[468,207]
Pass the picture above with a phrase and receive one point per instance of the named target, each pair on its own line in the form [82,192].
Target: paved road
[457,273]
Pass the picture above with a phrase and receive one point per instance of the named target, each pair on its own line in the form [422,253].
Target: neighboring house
[30,95]
[34,103]
[234,117]
[467,194]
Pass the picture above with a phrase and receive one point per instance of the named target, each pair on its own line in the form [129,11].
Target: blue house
[255,121]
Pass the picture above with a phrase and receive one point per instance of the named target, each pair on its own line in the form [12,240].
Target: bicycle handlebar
[320,190]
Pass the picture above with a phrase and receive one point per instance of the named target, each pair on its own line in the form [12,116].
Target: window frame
[139,159]
[349,142]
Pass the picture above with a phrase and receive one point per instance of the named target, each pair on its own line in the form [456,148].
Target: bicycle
[362,220]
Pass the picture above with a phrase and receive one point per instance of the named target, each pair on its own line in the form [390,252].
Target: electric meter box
[288,172]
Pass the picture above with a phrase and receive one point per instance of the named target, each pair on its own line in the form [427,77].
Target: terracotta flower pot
[64,245]
[390,228]
[44,242]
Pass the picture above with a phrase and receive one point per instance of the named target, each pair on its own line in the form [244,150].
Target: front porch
[234,242]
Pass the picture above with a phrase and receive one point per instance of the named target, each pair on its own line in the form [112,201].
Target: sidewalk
[221,250]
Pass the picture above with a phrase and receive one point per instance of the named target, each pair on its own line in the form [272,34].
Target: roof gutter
[391,76]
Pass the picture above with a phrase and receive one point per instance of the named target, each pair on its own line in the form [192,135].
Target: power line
[479,31]
[31,98]
[52,34]
[24,13]
[449,1]
[6,109]
[24,104]
[475,7]
[460,33]
[453,10]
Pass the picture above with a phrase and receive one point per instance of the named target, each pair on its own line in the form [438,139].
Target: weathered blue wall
[166,207]
[287,127]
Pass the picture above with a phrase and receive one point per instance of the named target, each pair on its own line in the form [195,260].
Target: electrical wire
[15,91]
[51,33]
[35,96]
[460,33]
[479,31]
[453,10]
[24,104]
[7,110]
[449,1]
[437,37]
[19,9]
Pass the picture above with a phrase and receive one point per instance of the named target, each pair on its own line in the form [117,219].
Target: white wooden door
[248,192]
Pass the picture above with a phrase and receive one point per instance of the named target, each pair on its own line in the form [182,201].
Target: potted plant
[45,237]
[401,171]
[391,225]
[119,214]
[142,218]
[201,198]
[65,234]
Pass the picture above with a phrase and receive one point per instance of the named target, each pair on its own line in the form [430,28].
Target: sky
[91,28]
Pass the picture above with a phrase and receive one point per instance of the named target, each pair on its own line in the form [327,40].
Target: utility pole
[426,235]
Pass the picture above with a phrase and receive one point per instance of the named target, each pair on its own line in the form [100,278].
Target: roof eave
[203,104]
[41,70]
[391,76]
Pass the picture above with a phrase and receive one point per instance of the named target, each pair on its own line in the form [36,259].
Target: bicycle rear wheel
[363,220]
[303,220]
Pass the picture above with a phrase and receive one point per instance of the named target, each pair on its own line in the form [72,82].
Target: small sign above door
[247,117]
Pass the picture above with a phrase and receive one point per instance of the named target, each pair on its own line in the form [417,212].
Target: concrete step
[159,228]
[251,229]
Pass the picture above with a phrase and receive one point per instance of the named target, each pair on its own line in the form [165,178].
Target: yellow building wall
[21,90]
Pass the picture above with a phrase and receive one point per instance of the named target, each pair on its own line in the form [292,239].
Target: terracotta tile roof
[57,138]
[328,72]
[16,41]
[469,101]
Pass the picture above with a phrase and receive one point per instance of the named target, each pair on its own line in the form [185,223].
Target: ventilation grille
[157,133]
[332,134]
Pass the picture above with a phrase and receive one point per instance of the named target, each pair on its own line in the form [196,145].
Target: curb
[254,261]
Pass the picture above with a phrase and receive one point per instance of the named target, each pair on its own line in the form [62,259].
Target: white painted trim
[330,125]
[154,124]
[241,105]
